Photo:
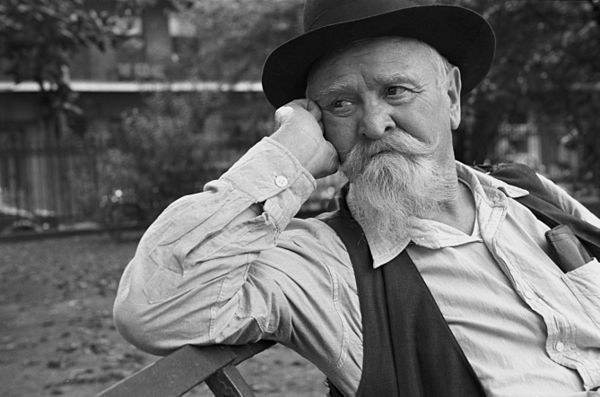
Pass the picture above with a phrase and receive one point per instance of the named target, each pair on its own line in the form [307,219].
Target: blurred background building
[142,101]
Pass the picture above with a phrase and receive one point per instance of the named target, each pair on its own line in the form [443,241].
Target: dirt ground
[56,331]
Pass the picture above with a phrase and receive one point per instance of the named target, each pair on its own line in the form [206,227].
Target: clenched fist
[299,129]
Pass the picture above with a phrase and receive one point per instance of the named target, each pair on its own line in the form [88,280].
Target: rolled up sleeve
[193,263]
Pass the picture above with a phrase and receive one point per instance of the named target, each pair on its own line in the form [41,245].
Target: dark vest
[408,348]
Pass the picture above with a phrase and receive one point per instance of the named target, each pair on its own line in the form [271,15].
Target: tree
[178,142]
[38,38]
[546,64]
[159,153]
[236,36]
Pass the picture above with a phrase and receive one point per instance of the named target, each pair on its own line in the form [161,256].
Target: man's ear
[454,87]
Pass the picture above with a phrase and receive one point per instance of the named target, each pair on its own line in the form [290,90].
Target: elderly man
[432,279]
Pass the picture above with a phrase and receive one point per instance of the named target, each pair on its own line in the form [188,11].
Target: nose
[376,121]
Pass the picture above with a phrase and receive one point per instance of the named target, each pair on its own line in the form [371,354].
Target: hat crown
[319,13]
[462,35]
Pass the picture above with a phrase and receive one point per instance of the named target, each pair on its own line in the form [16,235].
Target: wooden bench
[189,366]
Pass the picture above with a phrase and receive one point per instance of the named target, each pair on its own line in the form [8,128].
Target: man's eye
[396,90]
[340,104]
[341,107]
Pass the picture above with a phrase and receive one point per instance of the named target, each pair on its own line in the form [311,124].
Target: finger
[284,111]
[301,103]
[314,109]
[282,114]
[334,159]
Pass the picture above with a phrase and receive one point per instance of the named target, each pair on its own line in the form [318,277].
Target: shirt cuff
[271,175]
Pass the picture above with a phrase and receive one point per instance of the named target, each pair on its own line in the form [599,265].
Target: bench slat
[180,371]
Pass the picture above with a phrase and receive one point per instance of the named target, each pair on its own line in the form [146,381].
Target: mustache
[394,143]
[399,143]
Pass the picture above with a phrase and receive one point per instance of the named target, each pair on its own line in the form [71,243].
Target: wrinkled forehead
[408,48]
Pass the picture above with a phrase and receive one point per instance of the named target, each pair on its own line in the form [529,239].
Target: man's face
[386,86]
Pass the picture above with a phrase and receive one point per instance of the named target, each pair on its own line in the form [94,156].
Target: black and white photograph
[303,198]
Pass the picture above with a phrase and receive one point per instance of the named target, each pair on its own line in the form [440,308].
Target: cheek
[427,125]
[341,133]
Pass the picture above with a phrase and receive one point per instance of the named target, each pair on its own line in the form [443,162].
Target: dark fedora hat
[459,34]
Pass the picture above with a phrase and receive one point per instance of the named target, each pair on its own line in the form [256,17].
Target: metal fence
[46,178]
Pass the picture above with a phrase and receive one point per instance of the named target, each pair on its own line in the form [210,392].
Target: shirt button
[560,346]
[281,181]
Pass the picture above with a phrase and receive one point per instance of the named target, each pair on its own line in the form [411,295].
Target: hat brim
[459,34]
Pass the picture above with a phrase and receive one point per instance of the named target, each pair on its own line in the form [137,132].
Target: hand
[300,130]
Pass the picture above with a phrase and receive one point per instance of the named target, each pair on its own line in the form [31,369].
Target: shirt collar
[384,248]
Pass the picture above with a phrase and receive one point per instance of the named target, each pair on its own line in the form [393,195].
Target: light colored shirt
[212,270]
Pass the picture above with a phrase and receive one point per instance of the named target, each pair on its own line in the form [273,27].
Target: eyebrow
[399,77]
[332,89]
[337,87]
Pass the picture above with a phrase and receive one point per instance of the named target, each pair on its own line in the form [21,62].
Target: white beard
[394,179]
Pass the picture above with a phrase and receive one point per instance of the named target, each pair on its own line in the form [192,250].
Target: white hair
[440,62]
[394,178]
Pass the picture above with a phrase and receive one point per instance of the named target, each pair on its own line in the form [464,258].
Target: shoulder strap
[409,349]
[544,205]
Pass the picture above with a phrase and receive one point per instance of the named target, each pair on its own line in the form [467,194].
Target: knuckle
[300,102]
[285,109]
[283,113]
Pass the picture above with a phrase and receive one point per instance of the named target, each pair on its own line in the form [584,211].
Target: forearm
[265,181]
[194,258]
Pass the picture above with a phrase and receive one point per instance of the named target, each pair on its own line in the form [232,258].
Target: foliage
[158,153]
[546,51]
[236,36]
[176,143]
[38,38]
[546,64]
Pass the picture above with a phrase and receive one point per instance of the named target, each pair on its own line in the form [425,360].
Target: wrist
[295,144]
